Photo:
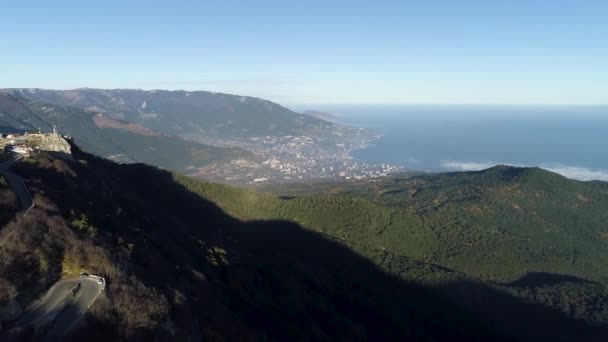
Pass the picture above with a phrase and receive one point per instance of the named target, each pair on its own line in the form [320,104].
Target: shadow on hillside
[275,280]
[518,316]
[504,173]
[538,279]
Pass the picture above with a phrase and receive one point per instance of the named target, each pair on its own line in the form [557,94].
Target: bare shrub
[62,167]
[45,203]
[8,199]
[8,292]
[139,307]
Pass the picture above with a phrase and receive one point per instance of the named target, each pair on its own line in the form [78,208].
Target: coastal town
[292,158]
[273,159]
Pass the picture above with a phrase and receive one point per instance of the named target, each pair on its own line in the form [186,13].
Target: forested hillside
[177,266]
[184,257]
[524,219]
[523,231]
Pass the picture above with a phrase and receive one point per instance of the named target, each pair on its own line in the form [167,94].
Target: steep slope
[185,113]
[513,220]
[16,116]
[279,268]
[107,137]
[177,266]
[521,219]
[528,232]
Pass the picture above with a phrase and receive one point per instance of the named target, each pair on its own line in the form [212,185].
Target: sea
[570,140]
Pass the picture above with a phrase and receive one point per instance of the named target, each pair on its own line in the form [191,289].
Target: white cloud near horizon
[466,166]
[572,172]
[578,173]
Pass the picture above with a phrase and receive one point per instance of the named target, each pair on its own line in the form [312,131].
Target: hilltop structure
[26,143]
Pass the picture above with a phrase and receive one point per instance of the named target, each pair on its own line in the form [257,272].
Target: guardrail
[101,280]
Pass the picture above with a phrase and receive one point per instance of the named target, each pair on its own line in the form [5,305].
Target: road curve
[18,186]
[20,189]
[67,300]
[16,183]
[89,290]
[62,306]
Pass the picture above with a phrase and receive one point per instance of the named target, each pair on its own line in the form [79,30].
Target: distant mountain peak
[179,112]
[321,115]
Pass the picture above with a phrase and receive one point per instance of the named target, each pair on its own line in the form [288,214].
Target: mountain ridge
[375,268]
[112,140]
[280,144]
[198,110]
[206,264]
[321,115]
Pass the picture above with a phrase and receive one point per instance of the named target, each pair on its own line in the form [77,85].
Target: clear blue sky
[297,52]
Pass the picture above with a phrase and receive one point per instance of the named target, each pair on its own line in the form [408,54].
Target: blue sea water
[571,140]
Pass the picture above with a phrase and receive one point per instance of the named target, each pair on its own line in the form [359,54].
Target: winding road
[18,186]
[23,194]
[62,306]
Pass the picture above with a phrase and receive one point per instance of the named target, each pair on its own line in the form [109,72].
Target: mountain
[525,231]
[506,253]
[109,137]
[16,116]
[177,267]
[321,115]
[184,113]
[262,141]
[523,219]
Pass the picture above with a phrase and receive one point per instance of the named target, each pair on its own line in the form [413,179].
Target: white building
[19,149]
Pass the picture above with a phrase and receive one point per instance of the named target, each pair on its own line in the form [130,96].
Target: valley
[218,137]
[521,239]
[491,250]
[303,171]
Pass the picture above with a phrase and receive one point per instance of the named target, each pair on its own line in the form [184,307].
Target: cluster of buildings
[292,158]
[16,144]
[26,143]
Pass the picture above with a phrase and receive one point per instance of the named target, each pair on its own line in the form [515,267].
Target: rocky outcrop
[55,143]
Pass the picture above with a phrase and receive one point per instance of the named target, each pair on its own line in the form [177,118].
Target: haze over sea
[570,140]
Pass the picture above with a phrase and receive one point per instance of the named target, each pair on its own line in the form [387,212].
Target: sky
[315,52]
